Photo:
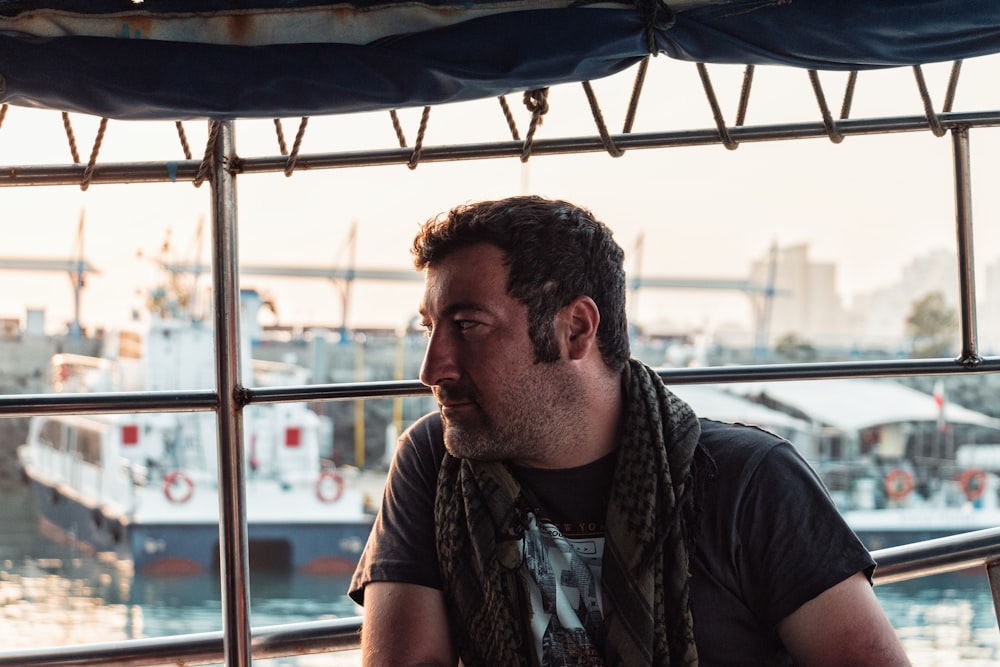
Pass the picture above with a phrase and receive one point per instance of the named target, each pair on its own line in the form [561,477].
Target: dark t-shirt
[770,538]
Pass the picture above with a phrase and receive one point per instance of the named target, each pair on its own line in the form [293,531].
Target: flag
[941,401]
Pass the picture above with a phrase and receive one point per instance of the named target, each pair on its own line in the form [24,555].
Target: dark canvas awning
[178,59]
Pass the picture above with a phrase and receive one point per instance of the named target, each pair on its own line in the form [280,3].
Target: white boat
[887,503]
[904,507]
[144,486]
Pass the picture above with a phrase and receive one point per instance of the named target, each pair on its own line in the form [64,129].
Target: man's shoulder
[737,439]
[427,429]
[422,443]
[741,449]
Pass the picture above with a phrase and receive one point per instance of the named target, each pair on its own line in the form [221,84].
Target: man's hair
[556,251]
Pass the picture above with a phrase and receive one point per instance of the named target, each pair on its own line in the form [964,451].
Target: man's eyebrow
[461,306]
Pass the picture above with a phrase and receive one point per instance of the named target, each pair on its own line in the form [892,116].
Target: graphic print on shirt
[564,579]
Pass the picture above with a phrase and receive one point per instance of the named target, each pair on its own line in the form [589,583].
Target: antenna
[77,276]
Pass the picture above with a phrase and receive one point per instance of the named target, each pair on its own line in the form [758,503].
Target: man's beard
[520,426]
[473,435]
[480,441]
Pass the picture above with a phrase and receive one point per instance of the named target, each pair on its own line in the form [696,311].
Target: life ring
[898,483]
[178,487]
[329,486]
[973,483]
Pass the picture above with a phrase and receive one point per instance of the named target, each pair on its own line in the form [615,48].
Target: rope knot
[657,16]
[537,101]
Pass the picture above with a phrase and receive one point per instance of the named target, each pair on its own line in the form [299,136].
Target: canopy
[179,59]
[715,403]
[856,404]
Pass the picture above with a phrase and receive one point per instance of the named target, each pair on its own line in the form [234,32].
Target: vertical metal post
[993,573]
[232,490]
[963,223]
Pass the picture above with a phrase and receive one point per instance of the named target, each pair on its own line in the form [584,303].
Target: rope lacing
[418,146]
[633,106]
[949,97]
[633,103]
[602,129]
[182,135]
[400,137]
[88,171]
[281,136]
[720,123]
[537,102]
[68,126]
[933,119]
[845,107]
[208,159]
[296,145]
[828,123]
[511,123]
[741,110]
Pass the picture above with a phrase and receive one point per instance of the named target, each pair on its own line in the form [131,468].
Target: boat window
[54,434]
[88,444]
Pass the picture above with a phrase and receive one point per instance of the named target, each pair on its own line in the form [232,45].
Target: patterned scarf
[480,519]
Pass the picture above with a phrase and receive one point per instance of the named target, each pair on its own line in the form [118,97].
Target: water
[53,595]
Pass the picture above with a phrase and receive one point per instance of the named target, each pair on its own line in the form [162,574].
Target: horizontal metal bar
[944,554]
[839,369]
[180,401]
[334,392]
[712,374]
[187,170]
[107,402]
[196,649]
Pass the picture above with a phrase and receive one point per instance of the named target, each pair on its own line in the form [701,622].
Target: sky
[870,204]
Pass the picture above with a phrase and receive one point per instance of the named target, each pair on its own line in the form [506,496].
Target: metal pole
[186,170]
[232,492]
[963,224]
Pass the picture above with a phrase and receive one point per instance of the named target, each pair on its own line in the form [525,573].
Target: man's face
[495,402]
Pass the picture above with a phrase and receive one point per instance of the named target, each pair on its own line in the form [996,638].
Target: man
[564,508]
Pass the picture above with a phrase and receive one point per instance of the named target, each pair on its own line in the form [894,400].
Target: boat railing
[979,549]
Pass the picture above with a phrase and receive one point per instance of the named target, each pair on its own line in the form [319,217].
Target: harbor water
[51,595]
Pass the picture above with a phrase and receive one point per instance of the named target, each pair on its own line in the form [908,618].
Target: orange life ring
[173,481]
[329,486]
[973,483]
[898,483]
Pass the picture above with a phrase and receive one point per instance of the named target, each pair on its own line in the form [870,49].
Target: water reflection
[72,600]
[945,619]
[53,595]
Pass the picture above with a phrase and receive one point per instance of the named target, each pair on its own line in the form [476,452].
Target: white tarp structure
[714,402]
[851,405]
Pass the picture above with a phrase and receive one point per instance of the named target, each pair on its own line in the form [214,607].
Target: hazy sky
[870,204]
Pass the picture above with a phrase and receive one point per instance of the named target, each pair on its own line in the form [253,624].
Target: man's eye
[465,325]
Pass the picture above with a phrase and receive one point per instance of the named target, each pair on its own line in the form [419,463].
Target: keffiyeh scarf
[651,517]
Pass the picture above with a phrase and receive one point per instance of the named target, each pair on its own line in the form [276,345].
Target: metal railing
[237,643]
[911,561]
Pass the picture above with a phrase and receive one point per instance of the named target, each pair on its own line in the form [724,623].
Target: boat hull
[190,547]
[880,529]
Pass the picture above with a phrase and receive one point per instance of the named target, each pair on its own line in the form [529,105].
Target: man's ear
[578,327]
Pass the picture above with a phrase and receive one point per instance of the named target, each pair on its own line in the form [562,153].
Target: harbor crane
[76,267]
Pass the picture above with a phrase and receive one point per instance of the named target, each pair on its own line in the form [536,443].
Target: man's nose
[439,363]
